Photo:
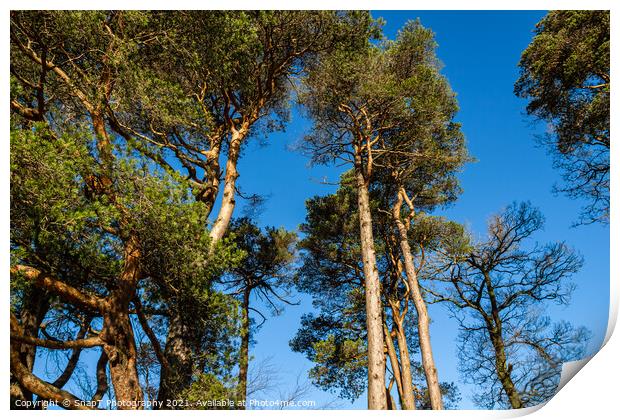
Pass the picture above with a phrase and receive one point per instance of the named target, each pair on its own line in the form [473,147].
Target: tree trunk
[394,362]
[389,401]
[117,332]
[501,363]
[244,351]
[34,307]
[120,349]
[179,353]
[428,363]
[374,307]
[228,199]
[405,369]
[211,186]
[503,372]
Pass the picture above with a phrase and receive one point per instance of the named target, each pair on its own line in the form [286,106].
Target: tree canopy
[565,76]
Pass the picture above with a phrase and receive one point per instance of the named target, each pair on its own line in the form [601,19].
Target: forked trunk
[230,179]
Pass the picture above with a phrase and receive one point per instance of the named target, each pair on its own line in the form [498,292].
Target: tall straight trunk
[244,351]
[428,363]
[374,307]
[117,332]
[405,369]
[35,305]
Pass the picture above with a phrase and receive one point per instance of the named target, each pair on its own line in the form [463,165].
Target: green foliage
[449,391]
[265,269]
[340,364]
[54,224]
[394,96]
[60,227]
[565,76]
[331,242]
[170,88]
[332,273]
[208,393]
[434,233]
[338,350]
[217,69]
[97,44]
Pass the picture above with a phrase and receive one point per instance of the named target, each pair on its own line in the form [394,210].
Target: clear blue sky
[480,51]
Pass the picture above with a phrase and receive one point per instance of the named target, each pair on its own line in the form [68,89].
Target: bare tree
[497,290]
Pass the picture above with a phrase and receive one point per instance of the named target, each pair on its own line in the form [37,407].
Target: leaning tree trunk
[394,362]
[374,307]
[405,368]
[428,363]
[228,198]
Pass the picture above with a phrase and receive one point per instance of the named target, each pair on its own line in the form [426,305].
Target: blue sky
[480,51]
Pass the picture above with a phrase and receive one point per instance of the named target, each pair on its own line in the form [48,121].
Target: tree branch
[59,288]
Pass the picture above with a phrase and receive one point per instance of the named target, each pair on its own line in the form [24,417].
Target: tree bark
[494,327]
[179,352]
[428,363]
[44,390]
[394,362]
[408,401]
[34,307]
[374,307]
[244,351]
[503,372]
[228,199]
[117,332]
